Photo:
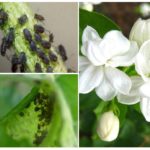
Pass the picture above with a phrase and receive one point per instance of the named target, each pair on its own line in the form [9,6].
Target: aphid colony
[43,106]
[19,60]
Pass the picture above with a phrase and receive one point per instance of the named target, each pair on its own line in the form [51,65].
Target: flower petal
[90,78]
[134,96]
[90,34]
[145,89]
[119,80]
[83,62]
[126,59]
[145,108]
[114,44]
[142,64]
[94,54]
[105,90]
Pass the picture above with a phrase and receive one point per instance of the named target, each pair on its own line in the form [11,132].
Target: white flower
[108,126]
[101,57]
[145,9]
[140,92]
[140,31]
[88,5]
[142,63]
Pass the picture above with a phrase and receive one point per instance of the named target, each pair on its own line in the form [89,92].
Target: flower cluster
[102,57]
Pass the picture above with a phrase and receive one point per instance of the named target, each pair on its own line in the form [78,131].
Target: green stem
[14,11]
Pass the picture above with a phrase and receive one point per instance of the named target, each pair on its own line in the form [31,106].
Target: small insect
[33,46]
[37,109]
[37,37]
[38,28]
[51,38]
[42,55]
[49,69]
[62,52]
[3,17]
[10,37]
[22,58]
[3,47]
[38,67]
[23,19]
[27,35]
[21,114]
[52,57]
[46,44]
[39,17]
[14,63]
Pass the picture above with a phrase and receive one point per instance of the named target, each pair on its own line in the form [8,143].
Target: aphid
[3,47]
[38,28]
[27,35]
[33,46]
[46,44]
[38,67]
[52,57]
[49,69]
[3,17]
[51,38]
[62,52]
[42,55]
[14,63]
[39,17]
[21,114]
[23,19]
[10,37]
[37,37]
[22,58]
[37,109]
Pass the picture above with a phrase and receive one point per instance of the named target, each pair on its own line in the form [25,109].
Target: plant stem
[14,11]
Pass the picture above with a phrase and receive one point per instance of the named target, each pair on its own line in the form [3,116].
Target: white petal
[90,34]
[145,108]
[90,78]
[126,59]
[83,62]
[134,96]
[136,33]
[145,90]
[105,90]
[142,63]
[119,80]
[94,53]
[114,44]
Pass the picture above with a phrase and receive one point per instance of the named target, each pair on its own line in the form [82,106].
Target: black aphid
[27,35]
[49,69]
[38,67]
[21,114]
[52,57]
[3,17]
[22,58]
[51,38]
[23,19]
[39,17]
[33,46]
[10,37]
[14,63]
[46,44]
[38,28]
[3,47]
[37,37]
[42,55]
[62,52]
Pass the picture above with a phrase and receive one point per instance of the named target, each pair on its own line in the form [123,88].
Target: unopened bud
[108,126]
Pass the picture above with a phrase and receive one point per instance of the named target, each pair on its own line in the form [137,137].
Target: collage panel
[38,110]
[39,37]
[114,74]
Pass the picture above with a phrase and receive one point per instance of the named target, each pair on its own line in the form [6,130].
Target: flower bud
[140,31]
[108,126]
